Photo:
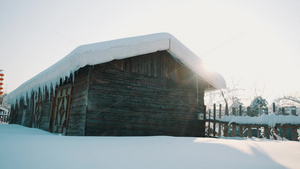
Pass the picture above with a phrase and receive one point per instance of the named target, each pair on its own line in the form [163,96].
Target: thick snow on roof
[270,120]
[102,52]
[4,109]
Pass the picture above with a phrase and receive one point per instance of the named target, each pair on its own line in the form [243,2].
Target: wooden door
[36,113]
[60,110]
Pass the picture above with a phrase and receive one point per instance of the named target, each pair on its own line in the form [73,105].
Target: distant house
[4,113]
[139,86]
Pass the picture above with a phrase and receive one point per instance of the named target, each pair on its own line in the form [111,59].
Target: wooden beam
[226,130]
[249,131]
[267,132]
[204,118]
[294,134]
[220,124]
[208,131]
[241,131]
[233,130]
[214,120]
[284,131]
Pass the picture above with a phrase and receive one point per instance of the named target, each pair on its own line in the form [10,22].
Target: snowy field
[27,148]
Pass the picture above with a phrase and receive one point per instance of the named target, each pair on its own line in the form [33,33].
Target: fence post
[275,131]
[294,133]
[267,132]
[226,130]
[208,131]
[249,131]
[240,110]
[233,134]
[274,108]
[284,131]
[220,124]
[204,118]
[241,131]
[226,109]
[214,126]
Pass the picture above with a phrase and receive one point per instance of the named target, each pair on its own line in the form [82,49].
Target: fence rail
[277,125]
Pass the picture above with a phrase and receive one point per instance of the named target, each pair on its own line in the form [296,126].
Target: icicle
[73,77]
[53,88]
[25,100]
[43,92]
[47,91]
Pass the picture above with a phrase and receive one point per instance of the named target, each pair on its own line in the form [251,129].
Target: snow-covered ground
[27,148]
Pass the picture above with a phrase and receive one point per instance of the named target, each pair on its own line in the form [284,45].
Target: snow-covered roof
[102,52]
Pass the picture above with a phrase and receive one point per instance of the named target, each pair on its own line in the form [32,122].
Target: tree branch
[290,98]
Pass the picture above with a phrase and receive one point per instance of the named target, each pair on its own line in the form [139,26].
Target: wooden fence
[239,124]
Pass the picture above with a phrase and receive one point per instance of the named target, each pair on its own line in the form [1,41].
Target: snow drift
[30,148]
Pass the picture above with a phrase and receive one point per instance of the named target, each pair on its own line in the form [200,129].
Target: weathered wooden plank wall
[77,116]
[145,95]
[21,112]
[46,110]
[15,114]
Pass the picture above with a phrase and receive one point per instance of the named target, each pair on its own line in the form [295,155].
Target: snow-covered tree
[259,104]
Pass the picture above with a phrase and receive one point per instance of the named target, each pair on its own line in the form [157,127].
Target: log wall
[145,95]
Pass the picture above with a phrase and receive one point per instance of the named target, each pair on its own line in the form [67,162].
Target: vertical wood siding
[46,111]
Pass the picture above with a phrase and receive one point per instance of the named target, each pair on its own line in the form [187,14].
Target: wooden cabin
[142,94]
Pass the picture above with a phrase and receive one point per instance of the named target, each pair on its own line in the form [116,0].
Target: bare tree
[289,100]
[230,97]
[233,95]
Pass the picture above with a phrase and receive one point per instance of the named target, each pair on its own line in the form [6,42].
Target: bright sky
[254,43]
